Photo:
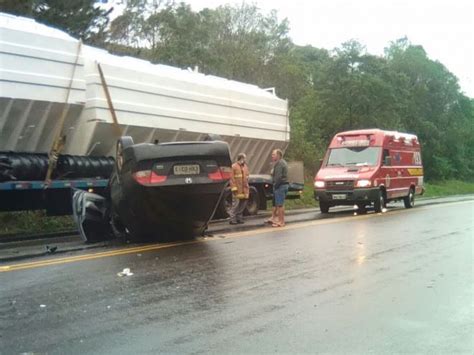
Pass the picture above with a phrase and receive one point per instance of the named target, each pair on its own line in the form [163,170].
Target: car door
[91,214]
[388,175]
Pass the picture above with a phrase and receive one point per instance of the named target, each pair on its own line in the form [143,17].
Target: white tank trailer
[152,102]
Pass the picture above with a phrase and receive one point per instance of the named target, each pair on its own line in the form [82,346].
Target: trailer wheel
[379,203]
[409,200]
[122,143]
[252,204]
[323,207]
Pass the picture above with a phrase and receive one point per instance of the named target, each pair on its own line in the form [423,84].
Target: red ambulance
[370,168]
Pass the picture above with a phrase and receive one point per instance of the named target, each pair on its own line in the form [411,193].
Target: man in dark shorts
[280,186]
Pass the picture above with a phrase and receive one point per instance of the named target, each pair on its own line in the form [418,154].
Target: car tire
[122,143]
[409,201]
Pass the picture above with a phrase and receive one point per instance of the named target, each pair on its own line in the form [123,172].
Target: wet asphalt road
[397,282]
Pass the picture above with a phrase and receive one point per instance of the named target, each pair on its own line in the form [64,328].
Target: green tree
[244,42]
[234,42]
[435,110]
[179,37]
[354,91]
[127,29]
[17,7]
[80,18]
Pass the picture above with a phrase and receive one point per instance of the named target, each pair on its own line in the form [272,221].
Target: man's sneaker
[240,222]
[233,222]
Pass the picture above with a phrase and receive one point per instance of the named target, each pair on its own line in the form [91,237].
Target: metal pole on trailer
[59,139]
[115,124]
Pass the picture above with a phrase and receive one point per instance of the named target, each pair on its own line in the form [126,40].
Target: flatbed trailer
[54,197]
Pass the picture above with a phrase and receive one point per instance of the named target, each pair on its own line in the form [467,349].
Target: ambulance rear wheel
[361,209]
[409,200]
[323,207]
[379,203]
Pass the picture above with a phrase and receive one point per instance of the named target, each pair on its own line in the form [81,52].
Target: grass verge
[447,188]
[306,201]
[33,222]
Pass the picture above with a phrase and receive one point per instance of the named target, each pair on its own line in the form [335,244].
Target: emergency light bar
[356,143]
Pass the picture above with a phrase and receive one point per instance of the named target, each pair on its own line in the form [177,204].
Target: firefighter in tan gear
[239,185]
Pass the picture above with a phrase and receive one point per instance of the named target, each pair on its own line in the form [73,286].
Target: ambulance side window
[416,158]
[387,161]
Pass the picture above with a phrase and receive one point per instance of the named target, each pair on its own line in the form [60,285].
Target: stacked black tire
[34,166]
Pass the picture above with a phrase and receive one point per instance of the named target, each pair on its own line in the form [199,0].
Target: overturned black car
[159,192]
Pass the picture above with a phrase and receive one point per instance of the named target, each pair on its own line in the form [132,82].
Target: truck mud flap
[91,213]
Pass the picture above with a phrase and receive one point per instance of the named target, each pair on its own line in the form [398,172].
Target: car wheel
[409,200]
[122,143]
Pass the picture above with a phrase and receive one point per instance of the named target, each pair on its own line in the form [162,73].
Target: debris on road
[125,272]
[51,250]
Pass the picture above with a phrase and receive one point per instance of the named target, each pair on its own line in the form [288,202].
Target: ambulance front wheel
[379,203]
[409,201]
[324,207]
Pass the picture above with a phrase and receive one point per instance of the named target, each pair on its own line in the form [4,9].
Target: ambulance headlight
[319,184]
[363,183]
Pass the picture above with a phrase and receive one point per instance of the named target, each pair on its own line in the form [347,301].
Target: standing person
[280,187]
[239,185]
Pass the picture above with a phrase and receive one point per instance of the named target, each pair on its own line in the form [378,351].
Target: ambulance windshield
[354,156]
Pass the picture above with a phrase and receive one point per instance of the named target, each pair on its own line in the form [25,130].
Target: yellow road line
[71,259]
[140,249]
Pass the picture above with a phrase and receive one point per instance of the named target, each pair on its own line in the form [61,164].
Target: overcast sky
[445,28]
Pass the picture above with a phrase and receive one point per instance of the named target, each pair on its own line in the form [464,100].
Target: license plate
[339,196]
[186,169]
